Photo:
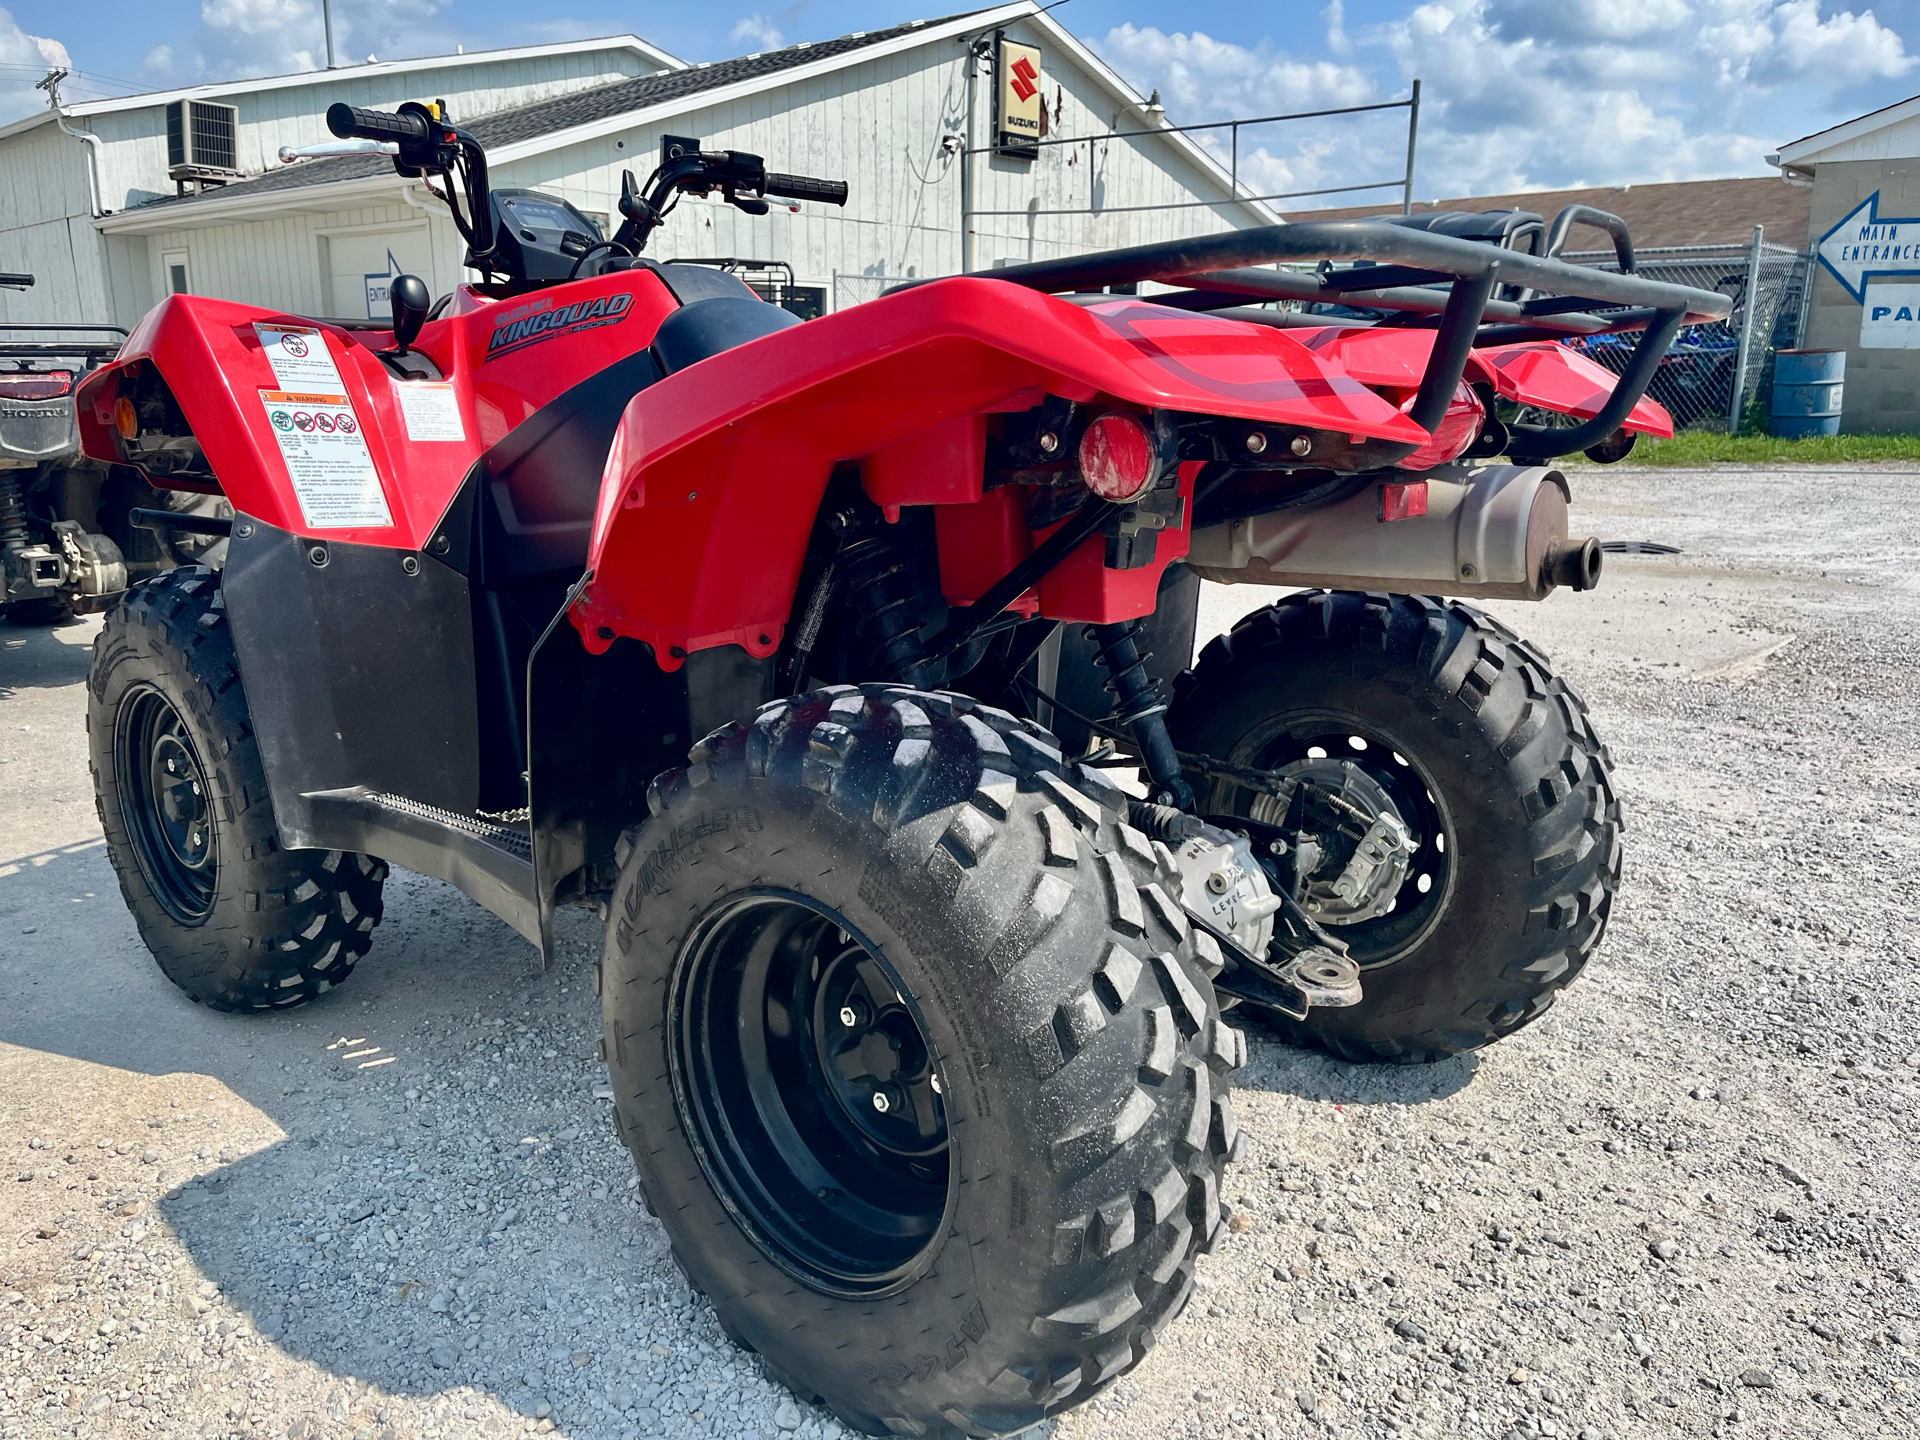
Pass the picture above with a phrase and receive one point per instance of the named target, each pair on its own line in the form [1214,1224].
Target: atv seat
[1511,228]
[706,327]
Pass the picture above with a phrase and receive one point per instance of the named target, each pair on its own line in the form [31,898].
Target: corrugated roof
[582,107]
[1686,212]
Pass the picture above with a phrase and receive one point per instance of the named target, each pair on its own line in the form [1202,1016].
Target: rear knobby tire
[1064,1000]
[234,920]
[1507,749]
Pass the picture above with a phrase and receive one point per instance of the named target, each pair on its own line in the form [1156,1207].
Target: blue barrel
[1806,393]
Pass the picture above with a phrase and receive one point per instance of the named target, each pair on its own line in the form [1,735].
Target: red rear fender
[1541,373]
[717,471]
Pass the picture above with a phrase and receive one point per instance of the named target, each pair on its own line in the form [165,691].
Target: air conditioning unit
[202,141]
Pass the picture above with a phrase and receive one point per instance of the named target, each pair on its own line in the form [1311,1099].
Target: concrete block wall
[1883,386]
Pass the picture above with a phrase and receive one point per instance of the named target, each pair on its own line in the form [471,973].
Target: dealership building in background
[1864,230]
[947,132]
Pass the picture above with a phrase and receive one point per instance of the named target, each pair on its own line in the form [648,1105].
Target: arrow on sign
[1864,245]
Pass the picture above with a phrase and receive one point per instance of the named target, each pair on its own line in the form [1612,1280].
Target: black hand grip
[350,122]
[805,187]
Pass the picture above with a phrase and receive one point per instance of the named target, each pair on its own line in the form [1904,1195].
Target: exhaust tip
[1574,563]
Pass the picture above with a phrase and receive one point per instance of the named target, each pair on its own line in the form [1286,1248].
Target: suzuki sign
[1020,117]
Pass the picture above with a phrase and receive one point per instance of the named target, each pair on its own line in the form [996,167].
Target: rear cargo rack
[1473,293]
[90,351]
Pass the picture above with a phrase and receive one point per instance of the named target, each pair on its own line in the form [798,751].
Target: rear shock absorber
[1138,706]
[13,512]
[885,575]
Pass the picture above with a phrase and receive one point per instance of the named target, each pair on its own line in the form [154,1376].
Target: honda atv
[69,536]
[817,658]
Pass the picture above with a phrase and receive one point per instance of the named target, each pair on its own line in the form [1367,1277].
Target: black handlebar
[350,122]
[805,187]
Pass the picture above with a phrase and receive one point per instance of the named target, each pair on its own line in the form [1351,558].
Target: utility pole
[326,14]
[1413,136]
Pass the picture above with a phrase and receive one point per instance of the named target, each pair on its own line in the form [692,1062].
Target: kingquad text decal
[530,325]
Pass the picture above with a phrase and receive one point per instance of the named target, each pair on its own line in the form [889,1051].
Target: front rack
[1473,293]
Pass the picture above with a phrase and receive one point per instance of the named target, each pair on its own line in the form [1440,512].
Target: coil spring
[1140,708]
[884,592]
[13,512]
[1135,694]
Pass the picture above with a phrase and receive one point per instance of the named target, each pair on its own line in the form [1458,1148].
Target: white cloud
[24,59]
[1207,78]
[755,30]
[1517,94]
[158,62]
[266,37]
[1335,17]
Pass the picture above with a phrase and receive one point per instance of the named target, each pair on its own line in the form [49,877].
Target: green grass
[1708,447]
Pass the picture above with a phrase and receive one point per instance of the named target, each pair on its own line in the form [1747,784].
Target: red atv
[806,655]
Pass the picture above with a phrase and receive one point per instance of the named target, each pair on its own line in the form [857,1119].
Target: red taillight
[35,384]
[1116,457]
[1457,431]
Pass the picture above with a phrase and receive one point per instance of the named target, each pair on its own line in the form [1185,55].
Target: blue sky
[1518,93]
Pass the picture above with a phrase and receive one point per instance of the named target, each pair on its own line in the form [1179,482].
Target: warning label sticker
[431,410]
[327,459]
[300,358]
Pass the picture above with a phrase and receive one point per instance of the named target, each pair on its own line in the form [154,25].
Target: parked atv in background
[67,544]
[817,659]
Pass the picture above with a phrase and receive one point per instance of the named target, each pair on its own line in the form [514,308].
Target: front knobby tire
[234,920]
[873,888]
[1487,748]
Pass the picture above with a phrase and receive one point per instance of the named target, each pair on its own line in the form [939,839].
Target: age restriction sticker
[299,357]
[327,459]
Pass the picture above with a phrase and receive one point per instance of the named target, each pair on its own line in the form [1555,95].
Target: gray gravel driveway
[1684,1203]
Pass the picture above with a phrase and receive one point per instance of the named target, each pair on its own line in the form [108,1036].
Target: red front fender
[716,472]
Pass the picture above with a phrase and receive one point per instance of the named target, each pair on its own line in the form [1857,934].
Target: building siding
[879,126]
[44,218]
[1882,393]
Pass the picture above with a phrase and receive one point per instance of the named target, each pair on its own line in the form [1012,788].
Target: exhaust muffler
[1496,531]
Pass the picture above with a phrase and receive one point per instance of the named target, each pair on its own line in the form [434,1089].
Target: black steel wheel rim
[804,1080]
[1289,742]
[165,803]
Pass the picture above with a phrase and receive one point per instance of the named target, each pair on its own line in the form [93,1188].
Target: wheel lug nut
[881,1102]
[847,1017]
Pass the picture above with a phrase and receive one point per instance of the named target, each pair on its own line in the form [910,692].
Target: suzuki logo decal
[1024,76]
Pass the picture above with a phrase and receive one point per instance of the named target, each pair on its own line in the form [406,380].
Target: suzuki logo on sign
[1020,112]
[1024,76]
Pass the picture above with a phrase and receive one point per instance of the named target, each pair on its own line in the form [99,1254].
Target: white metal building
[65,178]
[892,112]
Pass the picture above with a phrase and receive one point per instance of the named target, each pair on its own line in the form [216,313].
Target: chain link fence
[851,289]
[1697,378]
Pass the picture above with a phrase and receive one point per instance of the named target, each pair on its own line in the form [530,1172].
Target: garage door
[361,266]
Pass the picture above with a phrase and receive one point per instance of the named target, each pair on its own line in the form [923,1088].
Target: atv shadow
[1276,1066]
[45,657]
[367,1203]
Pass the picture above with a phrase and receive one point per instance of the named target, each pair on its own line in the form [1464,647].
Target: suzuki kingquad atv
[803,653]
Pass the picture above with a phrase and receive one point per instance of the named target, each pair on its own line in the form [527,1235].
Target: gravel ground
[1684,1203]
